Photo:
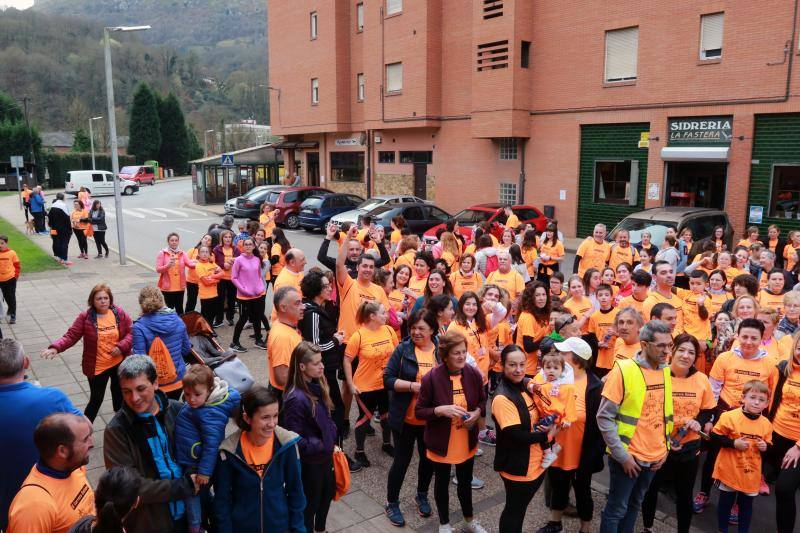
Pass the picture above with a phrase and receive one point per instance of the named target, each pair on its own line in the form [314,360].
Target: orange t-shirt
[690,395]
[625,351]
[426,360]
[268,226]
[500,336]
[351,294]
[787,416]
[277,267]
[406,259]
[621,255]
[458,446]
[528,257]
[655,297]
[396,300]
[207,281]
[692,323]
[593,255]
[631,301]
[552,399]
[580,308]
[648,443]
[174,273]
[716,301]
[528,326]
[554,251]
[767,299]
[9,265]
[75,218]
[191,273]
[450,259]
[513,221]
[373,349]
[258,457]
[505,413]
[228,253]
[601,323]
[734,371]
[510,281]
[418,285]
[741,469]
[395,237]
[107,339]
[462,284]
[477,345]
[571,439]
[281,342]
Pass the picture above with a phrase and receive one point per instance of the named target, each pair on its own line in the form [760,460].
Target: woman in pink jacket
[250,291]
[171,265]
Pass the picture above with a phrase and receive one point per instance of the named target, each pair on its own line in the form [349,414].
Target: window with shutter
[711,35]
[313,17]
[621,51]
[360,16]
[314,91]
[394,77]
[361,87]
[394,6]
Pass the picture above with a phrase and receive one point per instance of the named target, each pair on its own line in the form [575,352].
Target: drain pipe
[521,143]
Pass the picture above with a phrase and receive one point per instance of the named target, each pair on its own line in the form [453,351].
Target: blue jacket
[37,203]
[168,325]
[317,432]
[199,432]
[244,501]
[402,365]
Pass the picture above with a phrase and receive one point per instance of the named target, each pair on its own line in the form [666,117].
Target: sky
[19,4]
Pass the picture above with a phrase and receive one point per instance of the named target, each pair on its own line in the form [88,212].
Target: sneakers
[423,505]
[473,526]
[236,347]
[388,449]
[733,518]
[216,325]
[361,457]
[261,344]
[550,455]
[763,488]
[476,483]
[230,321]
[488,438]
[700,502]
[12,319]
[354,465]
[394,514]
[98,256]
[551,527]
[479,452]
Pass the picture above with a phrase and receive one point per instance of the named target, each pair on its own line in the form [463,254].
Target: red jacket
[85,326]
[162,267]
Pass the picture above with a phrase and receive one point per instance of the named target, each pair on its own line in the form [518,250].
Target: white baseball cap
[577,346]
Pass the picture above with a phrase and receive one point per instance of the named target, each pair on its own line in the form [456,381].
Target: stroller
[207,351]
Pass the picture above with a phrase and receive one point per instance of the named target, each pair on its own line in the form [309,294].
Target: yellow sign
[644,139]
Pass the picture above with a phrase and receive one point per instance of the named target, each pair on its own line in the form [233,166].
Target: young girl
[224,255]
[471,322]
[518,262]
[277,254]
[77,217]
[8,278]
[551,253]
[529,251]
[717,293]
[402,297]
[385,280]
[506,239]
[624,284]
[556,285]
[578,302]
[423,264]
[208,276]
[591,280]
[645,261]
[554,397]
[466,278]
[191,274]
[750,238]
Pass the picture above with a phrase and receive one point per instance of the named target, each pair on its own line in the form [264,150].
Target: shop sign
[756,214]
[700,130]
[348,142]
[644,139]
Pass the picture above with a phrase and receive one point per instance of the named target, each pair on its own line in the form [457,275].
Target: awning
[296,144]
[709,154]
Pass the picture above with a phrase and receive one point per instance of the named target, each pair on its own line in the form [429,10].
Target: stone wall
[402,184]
[349,187]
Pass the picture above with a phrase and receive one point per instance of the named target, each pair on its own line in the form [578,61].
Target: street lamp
[205,140]
[91,138]
[112,128]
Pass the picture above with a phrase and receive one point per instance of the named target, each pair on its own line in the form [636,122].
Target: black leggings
[251,310]
[227,300]
[83,247]
[191,296]
[441,488]
[338,405]
[174,300]
[518,496]
[319,484]
[100,241]
[38,219]
[683,472]
[726,501]
[9,289]
[786,485]
[367,403]
[403,451]
[209,308]
[561,481]
[97,391]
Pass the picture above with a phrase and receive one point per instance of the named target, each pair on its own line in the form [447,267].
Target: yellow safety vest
[631,407]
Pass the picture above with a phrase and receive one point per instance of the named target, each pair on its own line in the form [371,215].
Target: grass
[8,193]
[31,256]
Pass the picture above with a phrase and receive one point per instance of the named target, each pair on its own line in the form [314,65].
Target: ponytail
[116,495]
[108,520]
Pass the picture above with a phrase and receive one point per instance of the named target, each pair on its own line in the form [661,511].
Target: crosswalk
[160,214]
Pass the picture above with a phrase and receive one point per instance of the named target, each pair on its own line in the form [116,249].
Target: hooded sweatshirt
[482,255]
[246,276]
[167,325]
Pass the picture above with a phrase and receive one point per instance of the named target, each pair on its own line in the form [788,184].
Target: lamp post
[91,138]
[112,128]
[205,140]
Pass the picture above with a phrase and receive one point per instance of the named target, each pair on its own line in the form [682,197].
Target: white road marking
[184,230]
[151,212]
[172,212]
[196,212]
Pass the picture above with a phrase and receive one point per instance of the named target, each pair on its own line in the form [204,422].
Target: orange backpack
[165,366]
[341,471]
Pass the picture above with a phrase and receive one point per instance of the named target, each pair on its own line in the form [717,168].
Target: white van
[97,182]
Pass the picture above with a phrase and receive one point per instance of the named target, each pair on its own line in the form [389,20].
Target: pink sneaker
[763,488]
[68,263]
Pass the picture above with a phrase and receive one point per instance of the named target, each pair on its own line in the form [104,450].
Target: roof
[215,158]
[672,213]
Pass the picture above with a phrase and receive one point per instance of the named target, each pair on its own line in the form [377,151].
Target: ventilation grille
[492,9]
[492,55]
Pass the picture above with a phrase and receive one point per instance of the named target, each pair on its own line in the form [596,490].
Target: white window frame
[631,192]
[394,7]
[771,211]
[361,86]
[389,78]
[508,149]
[314,25]
[360,16]
[616,34]
[507,193]
[314,91]
[705,21]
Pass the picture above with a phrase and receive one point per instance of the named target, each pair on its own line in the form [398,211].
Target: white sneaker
[446,528]
[479,453]
[549,458]
[474,527]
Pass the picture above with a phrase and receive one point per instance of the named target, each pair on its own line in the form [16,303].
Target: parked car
[419,217]
[656,220]
[141,174]
[97,182]
[317,210]
[249,204]
[287,202]
[495,215]
[353,215]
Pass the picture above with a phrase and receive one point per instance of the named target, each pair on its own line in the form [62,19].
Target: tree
[9,109]
[174,151]
[81,141]
[145,126]
[195,150]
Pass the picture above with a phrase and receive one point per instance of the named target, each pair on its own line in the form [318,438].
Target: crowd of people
[659,362]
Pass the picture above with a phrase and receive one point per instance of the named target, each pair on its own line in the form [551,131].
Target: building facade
[598,109]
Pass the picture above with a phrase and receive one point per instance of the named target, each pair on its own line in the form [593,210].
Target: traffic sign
[17,161]
[227,160]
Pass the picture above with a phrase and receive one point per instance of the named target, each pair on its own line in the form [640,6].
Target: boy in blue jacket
[200,429]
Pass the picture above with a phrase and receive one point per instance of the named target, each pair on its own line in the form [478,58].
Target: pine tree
[81,141]
[195,150]
[145,126]
[174,151]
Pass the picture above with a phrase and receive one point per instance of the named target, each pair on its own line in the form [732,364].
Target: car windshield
[370,204]
[313,202]
[473,216]
[380,211]
[129,170]
[273,197]
[636,226]
[255,191]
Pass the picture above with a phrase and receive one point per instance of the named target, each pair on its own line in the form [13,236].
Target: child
[645,261]
[9,274]
[601,324]
[554,397]
[200,428]
[744,434]
[208,276]
[696,319]
[557,287]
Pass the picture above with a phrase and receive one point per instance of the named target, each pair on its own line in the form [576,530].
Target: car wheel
[128,191]
[292,221]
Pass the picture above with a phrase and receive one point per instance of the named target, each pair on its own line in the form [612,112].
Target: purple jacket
[246,275]
[317,431]
[436,390]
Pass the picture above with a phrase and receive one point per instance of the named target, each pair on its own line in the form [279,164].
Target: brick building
[596,108]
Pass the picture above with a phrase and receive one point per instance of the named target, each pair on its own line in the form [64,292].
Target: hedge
[59,164]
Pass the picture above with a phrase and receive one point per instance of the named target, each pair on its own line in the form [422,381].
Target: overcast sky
[19,4]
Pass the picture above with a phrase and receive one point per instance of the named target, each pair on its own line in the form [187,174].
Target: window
[711,35]
[97,178]
[314,90]
[393,6]
[361,87]
[508,193]
[525,54]
[413,213]
[386,157]
[508,148]
[616,182]
[416,157]
[313,24]
[347,166]
[492,55]
[492,9]
[526,214]
[621,48]
[785,199]
[438,214]
[394,77]
[360,17]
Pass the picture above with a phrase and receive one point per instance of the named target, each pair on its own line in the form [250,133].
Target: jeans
[251,310]
[194,511]
[97,391]
[191,296]
[441,488]
[100,241]
[9,289]
[403,451]
[561,481]
[684,473]
[624,498]
[174,300]
[518,496]
[319,485]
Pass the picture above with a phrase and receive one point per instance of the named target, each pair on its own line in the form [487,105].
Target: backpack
[165,366]
[492,264]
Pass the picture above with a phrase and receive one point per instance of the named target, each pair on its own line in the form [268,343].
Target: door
[420,180]
[696,184]
[99,185]
[313,169]
[415,218]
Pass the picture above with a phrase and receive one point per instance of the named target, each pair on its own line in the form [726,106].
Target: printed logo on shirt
[458,391]
[656,386]
[679,394]
[747,373]
[81,494]
[259,468]
[425,365]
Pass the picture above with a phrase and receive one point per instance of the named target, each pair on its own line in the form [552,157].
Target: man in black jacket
[215,229]
[354,251]
[60,227]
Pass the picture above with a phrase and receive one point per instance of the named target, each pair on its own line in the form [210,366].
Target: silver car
[368,205]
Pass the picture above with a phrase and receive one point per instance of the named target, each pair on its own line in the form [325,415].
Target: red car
[287,202]
[141,174]
[494,214]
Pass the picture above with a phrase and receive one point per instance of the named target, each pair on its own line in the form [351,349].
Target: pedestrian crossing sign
[227,160]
